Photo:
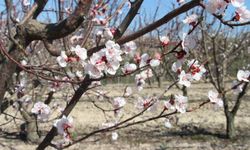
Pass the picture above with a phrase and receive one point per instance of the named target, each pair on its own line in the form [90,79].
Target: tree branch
[152,26]
[239,99]
[78,94]
[135,6]
[35,10]
[39,31]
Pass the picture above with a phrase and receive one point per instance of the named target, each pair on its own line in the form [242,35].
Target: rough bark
[29,129]
[34,30]
[230,128]
[7,69]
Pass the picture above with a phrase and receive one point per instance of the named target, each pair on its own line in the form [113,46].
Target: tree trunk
[32,131]
[184,90]
[158,78]
[29,131]
[7,69]
[231,133]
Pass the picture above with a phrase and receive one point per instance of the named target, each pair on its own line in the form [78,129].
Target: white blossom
[26,3]
[169,105]
[196,70]
[62,59]
[63,124]
[93,71]
[237,3]
[128,68]
[243,75]
[144,60]
[119,102]
[167,123]
[176,67]
[214,98]
[79,74]
[185,79]
[164,40]
[128,91]
[143,103]
[41,110]
[130,48]
[244,14]
[80,52]
[154,62]
[181,103]
[216,6]
[140,78]
[106,60]
[108,34]
[114,136]
[190,19]
[24,62]
[181,1]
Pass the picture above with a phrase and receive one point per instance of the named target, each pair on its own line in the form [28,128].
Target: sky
[148,7]
[166,5]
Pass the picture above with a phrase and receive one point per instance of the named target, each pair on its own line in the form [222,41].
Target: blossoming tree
[82,49]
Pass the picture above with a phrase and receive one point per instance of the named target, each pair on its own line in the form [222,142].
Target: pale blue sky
[148,7]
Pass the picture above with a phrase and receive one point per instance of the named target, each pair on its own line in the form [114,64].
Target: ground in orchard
[202,129]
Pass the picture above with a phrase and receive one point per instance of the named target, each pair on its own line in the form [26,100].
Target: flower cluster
[178,102]
[106,60]
[81,55]
[242,14]
[164,40]
[140,78]
[191,20]
[129,68]
[63,125]
[243,75]
[194,72]
[214,98]
[130,48]
[41,110]
[143,103]
[26,3]
[118,103]
[145,59]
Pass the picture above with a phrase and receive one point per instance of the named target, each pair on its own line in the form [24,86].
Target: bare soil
[202,129]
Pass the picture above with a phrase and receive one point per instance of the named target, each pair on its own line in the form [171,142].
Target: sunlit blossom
[63,125]
[243,75]
[41,110]
[214,98]
[181,103]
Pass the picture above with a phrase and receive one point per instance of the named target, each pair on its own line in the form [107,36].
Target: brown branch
[152,26]
[124,125]
[16,63]
[49,47]
[41,4]
[239,99]
[39,31]
[227,23]
[35,10]
[76,97]
[135,6]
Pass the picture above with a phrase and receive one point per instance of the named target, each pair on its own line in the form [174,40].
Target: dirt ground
[202,129]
